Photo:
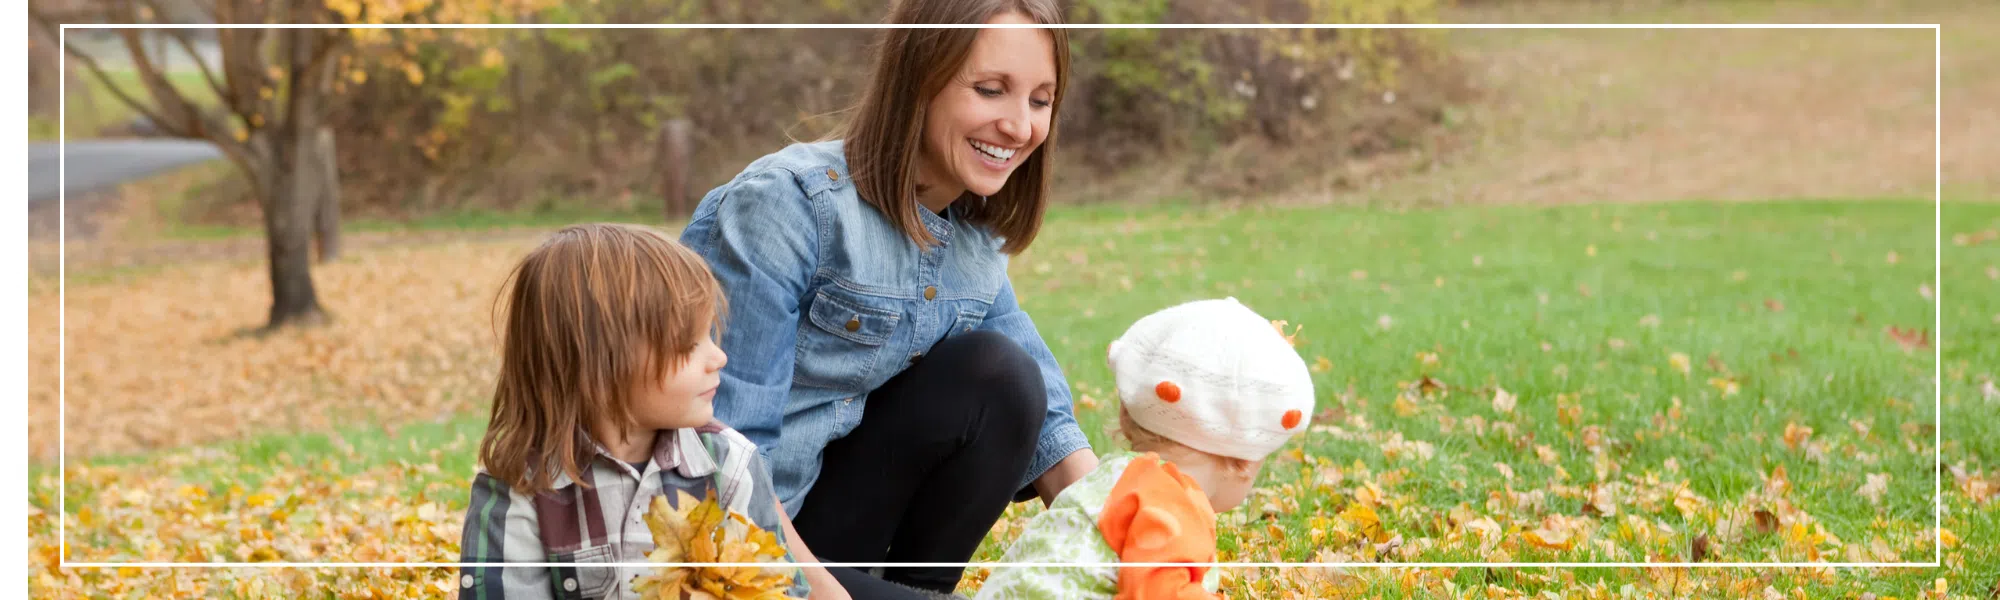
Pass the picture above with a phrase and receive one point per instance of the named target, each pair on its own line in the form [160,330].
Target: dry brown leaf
[1909,339]
[1767,521]
[1796,434]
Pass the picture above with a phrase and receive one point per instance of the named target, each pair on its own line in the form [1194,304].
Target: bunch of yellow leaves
[703,532]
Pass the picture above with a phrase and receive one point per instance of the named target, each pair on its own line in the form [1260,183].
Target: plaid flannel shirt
[604,523]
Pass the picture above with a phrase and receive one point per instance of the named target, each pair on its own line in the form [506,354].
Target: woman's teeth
[992,151]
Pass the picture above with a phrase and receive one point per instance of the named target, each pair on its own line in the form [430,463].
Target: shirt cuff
[1056,444]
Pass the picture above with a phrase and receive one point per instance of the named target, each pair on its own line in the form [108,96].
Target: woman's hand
[1066,471]
[824,586]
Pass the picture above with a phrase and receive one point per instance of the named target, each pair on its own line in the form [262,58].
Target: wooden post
[676,157]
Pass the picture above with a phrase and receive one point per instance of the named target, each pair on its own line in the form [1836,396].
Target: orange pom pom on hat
[1215,376]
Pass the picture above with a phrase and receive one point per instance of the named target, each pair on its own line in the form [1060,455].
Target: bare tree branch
[90,64]
[181,36]
[243,65]
[171,102]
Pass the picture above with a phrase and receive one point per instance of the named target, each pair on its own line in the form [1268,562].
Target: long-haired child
[609,368]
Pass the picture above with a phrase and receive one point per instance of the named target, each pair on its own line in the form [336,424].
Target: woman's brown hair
[589,313]
[884,133]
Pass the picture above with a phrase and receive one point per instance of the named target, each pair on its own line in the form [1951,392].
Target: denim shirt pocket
[841,346]
[583,582]
[969,318]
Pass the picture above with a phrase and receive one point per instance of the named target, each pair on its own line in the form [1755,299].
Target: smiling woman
[881,362]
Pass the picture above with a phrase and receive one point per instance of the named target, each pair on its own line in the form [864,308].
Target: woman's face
[991,115]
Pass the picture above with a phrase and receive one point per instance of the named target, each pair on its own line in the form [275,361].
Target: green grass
[451,445]
[1511,282]
[96,107]
[1487,321]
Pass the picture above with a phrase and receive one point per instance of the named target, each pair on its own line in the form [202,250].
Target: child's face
[686,396]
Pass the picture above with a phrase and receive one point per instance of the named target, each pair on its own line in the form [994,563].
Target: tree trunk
[295,186]
[326,217]
[291,203]
[44,71]
[676,156]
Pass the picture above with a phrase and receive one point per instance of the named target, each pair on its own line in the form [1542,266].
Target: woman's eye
[987,92]
[1039,103]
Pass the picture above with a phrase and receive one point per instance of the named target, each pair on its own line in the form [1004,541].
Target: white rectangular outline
[1937,297]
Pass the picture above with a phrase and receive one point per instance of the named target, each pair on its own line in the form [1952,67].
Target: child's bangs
[685,294]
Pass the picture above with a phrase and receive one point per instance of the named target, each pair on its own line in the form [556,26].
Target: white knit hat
[1215,376]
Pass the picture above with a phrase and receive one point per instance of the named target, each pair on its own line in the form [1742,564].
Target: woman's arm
[824,586]
[1062,453]
[760,238]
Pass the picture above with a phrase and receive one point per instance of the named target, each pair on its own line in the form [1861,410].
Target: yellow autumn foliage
[704,532]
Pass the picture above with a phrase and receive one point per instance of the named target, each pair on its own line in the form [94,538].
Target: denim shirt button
[854,324]
[831,175]
[930,293]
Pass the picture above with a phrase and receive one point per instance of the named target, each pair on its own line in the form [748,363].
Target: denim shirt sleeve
[1061,435]
[760,237]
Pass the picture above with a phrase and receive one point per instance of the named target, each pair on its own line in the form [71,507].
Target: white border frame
[1937,349]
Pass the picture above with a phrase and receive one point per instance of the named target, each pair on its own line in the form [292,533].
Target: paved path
[100,164]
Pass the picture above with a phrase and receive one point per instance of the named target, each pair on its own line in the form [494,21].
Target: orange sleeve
[1157,514]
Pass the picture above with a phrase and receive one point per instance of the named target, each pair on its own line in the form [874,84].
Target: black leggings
[938,455]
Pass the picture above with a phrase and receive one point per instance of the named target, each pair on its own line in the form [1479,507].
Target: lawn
[97,107]
[1683,381]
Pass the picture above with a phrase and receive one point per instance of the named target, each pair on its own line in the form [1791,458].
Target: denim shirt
[827,301]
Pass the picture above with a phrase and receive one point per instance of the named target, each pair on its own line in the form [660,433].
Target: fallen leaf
[1774,305]
[1878,484]
[1503,402]
[1909,339]
[1702,548]
[1796,434]
[1767,521]
[1365,519]
[1543,537]
[1680,362]
[1321,364]
[1291,339]
[1429,386]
